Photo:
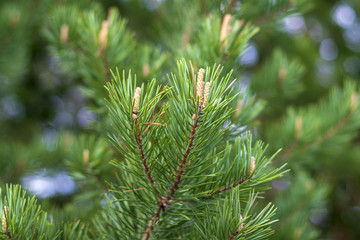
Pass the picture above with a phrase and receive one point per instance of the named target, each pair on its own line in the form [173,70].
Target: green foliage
[250,225]
[227,41]
[75,35]
[308,131]
[89,159]
[76,230]
[187,168]
[174,163]
[278,81]
[303,198]
[24,219]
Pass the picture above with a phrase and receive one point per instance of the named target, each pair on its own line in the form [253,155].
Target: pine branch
[327,135]
[150,227]
[164,202]
[22,217]
[193,121]
[238,230]
[316,135]
[139,139]
[182,167]
[241,181]
[233,235]
[143,158]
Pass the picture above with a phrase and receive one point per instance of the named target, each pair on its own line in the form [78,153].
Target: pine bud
[193,117]
[3,219]
[282,74]
[354,102]
[225,30]
[136,102]
[86,157]
[241,225]
[64,33]
[200,84]
[206,93]
[252,166]
[298,126]
[14,18]
[103,35]
[238,107]
[146,69]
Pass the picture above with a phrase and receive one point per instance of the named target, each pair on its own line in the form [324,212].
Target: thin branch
[143,158]
[183,164]
[233,235]
[150,227]
[8,234]
[233,185]
[331,132]
[164,201]
[106,68]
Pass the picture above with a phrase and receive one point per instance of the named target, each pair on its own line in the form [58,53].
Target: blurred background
[49,104]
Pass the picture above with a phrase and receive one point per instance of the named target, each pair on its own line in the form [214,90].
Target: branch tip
[252,166]
[3,219]
[200,85]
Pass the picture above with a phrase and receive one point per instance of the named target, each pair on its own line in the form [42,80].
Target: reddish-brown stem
[150,227]
[106,68]
[233,235]
[8,234]
[183,165]
[164,202]
[143,159]
[241,181]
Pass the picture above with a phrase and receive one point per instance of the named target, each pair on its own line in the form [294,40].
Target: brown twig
[227,188]
[164,201]
[8,234]
[238,230]
[233,235]
[150,227]
[184,164]
[106,68]
[143,158]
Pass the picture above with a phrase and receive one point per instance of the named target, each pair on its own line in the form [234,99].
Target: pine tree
[174,150]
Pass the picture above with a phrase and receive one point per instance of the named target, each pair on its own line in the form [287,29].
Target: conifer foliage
[177,175]
[155,111]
